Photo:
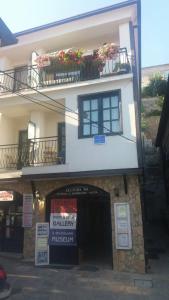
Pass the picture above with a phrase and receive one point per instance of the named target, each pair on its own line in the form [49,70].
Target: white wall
[82,154]
[118,152]
[10,127]
[6,132]
[52,120]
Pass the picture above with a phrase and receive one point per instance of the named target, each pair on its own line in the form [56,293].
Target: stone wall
[123,260]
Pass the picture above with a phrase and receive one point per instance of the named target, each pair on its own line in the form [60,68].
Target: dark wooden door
[11,231]
[61,141]
[21,78]
[23,150]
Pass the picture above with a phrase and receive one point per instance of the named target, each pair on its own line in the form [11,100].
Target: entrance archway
[11,230]
[92,236]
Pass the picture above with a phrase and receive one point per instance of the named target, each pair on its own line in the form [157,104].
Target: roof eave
[78,17]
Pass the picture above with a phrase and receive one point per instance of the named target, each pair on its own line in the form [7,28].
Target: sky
[24,14]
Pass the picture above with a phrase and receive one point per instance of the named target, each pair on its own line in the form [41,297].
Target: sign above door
[6,196]
[78,189]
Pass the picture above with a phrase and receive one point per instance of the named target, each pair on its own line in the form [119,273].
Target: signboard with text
[122,226]
[6,196]
[63,219]
[99,139]
[27,203]
[41,245]
[27,210]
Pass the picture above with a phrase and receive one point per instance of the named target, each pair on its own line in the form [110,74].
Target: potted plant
[90,68]
[107,51]
[73,61]
[122,68]
[59,60]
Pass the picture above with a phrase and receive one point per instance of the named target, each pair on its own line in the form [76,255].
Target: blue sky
[24,14]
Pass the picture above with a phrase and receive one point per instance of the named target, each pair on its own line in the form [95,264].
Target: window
[99,114]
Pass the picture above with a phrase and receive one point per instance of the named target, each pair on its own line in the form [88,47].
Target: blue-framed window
[100,114]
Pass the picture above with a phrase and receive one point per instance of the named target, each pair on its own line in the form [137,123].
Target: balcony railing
[31,76]
[36,152]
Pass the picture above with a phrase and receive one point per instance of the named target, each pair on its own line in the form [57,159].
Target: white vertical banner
[27,210]
[122,226]
[41,244]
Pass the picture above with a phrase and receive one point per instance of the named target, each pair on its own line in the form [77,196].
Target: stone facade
[123,260]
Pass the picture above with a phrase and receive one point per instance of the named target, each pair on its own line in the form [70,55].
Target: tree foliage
[156,87]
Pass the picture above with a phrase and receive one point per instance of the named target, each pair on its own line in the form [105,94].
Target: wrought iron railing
[8,156]
[31,76]
[35,152]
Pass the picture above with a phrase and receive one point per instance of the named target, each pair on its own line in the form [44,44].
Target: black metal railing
[31,76]
[8,156]
[35,152]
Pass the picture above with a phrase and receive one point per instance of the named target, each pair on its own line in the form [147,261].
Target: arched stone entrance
[91,238]
[11,231]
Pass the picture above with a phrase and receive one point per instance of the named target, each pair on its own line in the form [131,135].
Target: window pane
[86,117]
[94,116]
[114,101]
[94,128]
[115,126]
[106,102]
[106,127]
[94,104]
[115,113]
[106,114]
[86,105]
[86,129]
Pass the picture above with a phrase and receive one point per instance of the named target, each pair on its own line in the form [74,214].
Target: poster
[28,203]
[122,226]
[27,210]
[63,220]
[41,244]
[123,240]
[63,237]
[26,220]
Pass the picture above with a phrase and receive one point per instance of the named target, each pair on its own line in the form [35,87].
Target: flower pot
[90,70]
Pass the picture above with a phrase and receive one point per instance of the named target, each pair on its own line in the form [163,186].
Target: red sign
[63,218]
[6,196]
[64,205]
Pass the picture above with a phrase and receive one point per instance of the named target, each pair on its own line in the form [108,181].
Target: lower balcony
[37,152]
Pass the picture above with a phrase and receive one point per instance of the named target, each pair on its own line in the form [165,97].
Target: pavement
[85,282]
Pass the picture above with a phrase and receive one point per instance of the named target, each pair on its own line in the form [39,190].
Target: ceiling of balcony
[87,39]
[19,108]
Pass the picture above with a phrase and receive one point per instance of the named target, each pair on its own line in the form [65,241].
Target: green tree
[156,87]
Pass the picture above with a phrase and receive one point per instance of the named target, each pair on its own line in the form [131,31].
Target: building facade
[70,136]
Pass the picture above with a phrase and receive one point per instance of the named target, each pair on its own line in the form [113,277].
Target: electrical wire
[39,92]
[36,101]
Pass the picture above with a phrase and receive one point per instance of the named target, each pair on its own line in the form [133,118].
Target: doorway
[61,141]
[23,150]
[11,231]
[93,226]
[94,230]
[20,78]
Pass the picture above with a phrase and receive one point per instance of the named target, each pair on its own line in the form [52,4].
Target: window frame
[99,96]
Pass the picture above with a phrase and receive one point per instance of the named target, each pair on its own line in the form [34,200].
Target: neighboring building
[162,141]
[149,72]
[70,135]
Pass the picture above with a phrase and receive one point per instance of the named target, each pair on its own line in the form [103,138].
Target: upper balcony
[27,77]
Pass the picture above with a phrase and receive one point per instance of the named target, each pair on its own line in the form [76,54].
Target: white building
[72,131]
